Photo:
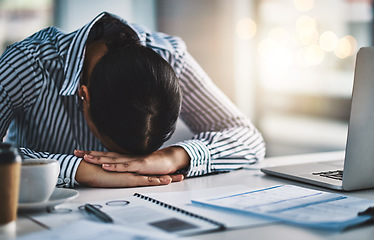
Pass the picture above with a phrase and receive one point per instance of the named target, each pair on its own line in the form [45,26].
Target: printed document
[89,230]
[296,205]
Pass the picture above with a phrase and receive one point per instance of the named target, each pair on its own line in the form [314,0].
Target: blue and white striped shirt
[39,79]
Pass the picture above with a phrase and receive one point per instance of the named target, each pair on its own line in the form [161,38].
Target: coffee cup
[10,169]
[38,180]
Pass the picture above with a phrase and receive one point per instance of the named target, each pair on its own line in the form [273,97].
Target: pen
[98,213]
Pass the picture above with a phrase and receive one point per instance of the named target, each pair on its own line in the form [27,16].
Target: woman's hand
[157,168]
[94,176]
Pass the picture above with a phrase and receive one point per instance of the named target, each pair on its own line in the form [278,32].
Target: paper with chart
[231,220]
[296,205]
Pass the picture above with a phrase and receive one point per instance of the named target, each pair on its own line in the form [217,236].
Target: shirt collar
[75,58]
[76,52]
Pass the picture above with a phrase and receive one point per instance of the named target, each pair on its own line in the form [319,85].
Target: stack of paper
[296,205]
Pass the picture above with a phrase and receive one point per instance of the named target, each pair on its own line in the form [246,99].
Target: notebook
[180,221]
[138,212]
[356,170]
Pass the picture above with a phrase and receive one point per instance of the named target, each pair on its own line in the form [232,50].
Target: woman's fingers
[100,158]
[135,180]
[81,153]
[143,180]
[94,176]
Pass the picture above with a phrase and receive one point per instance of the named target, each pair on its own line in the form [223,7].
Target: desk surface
[252,178]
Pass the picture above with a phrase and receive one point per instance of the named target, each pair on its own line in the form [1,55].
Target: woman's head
[134,97]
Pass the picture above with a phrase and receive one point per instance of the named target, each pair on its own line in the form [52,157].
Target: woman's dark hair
[135,95]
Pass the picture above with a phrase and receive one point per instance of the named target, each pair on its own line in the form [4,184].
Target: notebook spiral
[180,210]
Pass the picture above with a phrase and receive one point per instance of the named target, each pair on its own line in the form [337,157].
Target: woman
[103,99]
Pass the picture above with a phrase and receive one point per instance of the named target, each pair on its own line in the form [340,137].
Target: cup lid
[9,153]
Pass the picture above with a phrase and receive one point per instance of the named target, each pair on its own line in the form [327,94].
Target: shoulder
[45,44]
[158,40]
[171,48]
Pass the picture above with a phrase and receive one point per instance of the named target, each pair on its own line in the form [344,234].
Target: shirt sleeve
[68,165]
[225,139]
[20,81]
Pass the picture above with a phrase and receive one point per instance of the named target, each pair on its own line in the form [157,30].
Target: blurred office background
[287,64]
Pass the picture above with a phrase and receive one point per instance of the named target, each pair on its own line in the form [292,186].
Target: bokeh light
[346,47]
[246,28]
[328,41]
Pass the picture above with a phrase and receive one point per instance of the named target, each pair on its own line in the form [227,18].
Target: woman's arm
[109,169]
[222,131]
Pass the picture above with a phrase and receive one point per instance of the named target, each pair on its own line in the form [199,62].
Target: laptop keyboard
[338,174]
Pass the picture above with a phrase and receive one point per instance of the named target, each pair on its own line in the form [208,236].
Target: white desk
[253,179]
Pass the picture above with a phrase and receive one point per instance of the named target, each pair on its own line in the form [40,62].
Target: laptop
[356,170]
